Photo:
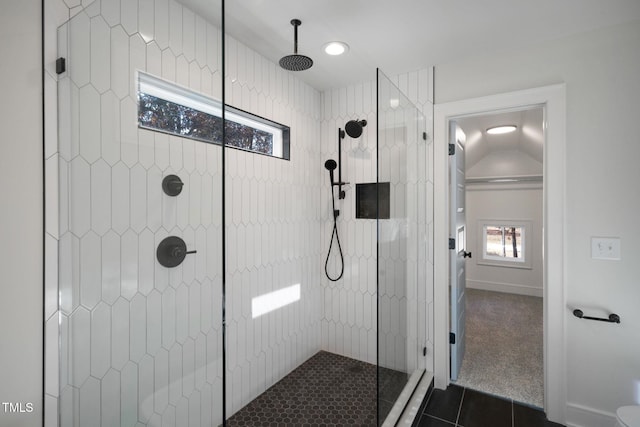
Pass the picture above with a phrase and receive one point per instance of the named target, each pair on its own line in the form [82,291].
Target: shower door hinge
[452,243]
[424,136]
[452,338]
[61,65]
[424,351]
[452,149]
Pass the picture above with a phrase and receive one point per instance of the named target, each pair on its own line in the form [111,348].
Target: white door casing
[553,100]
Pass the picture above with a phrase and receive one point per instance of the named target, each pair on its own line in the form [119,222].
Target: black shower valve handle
[172,251]
[178,252]
[172,185]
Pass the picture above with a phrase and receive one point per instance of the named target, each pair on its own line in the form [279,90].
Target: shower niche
[372,200]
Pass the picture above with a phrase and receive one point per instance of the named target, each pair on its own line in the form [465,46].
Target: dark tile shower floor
[326,390]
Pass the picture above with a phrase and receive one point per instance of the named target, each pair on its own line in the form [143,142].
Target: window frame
[524,261]
[185,97]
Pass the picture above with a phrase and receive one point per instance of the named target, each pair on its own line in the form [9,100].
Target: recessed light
[335,48]
[497,130]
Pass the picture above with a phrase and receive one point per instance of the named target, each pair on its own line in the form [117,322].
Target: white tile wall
[108,214]
[357,236]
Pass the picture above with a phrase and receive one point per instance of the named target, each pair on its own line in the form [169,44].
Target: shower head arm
[295,23]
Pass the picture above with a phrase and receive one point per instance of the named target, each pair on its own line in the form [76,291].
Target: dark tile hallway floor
[463,407]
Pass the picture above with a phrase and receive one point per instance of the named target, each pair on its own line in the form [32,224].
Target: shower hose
[334,233]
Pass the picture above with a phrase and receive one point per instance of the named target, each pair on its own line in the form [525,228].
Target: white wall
[600,70]
[21,214]
[513,202]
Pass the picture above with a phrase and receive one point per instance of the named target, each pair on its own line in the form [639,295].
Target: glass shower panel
[140,254]
[402,167]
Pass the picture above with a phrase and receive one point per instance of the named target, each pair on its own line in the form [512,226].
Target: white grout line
[464,390]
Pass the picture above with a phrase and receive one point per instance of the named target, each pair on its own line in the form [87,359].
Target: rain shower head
[296,62]
[354,128]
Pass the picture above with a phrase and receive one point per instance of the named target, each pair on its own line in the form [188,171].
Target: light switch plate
[605,248]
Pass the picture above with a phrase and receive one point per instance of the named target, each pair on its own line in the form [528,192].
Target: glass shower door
[402,172]
[140,269]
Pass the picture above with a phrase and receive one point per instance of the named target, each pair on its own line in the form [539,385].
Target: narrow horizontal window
[166,107]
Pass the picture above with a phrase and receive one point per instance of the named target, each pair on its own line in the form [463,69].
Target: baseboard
[508,288]
[583,416]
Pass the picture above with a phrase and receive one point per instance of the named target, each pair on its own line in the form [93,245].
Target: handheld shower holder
[341,193]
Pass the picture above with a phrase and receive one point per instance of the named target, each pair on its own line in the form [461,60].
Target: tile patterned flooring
[326,390]
[463,407]
[332,390]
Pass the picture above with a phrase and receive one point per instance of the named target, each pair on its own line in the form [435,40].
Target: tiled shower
[130,342]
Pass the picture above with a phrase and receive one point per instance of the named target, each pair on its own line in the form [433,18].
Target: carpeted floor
[504,346]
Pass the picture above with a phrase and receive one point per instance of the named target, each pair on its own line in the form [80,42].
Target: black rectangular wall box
[61,65]
[366,200]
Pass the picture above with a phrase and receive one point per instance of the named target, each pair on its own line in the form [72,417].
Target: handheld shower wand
[331,165]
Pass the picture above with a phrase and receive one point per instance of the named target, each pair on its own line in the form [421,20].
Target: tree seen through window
[167,116]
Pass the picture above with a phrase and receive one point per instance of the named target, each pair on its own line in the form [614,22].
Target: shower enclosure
[191,285]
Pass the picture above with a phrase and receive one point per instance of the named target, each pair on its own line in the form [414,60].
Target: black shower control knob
[172,251]
[178,252]
[172,185]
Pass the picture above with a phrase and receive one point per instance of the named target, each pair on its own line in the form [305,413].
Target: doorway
[552,99]
[503,300]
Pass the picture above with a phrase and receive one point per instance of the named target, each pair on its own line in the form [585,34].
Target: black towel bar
[613,318]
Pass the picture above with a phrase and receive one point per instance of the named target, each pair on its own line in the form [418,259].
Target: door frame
[553,100]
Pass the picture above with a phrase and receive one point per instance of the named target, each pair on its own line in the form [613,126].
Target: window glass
[505,243]
[166,107]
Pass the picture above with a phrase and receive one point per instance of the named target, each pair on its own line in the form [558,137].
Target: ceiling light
[497,130]
[335,48]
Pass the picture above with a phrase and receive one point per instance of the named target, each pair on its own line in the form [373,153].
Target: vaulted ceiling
[519,153]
